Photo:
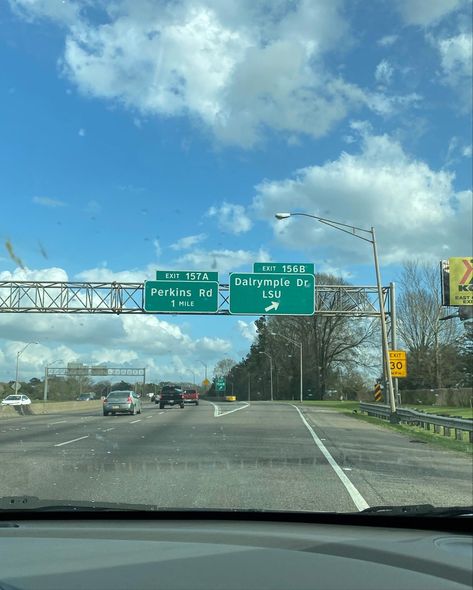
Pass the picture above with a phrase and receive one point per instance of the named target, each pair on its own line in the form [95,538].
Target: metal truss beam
[127,298]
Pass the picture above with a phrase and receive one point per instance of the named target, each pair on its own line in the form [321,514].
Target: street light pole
[205,366]
[299,344]
[271,371]
[46,376]
[384,332]
[18,354]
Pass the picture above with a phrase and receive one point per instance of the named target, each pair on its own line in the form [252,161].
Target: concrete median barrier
[39,408]
[8,412]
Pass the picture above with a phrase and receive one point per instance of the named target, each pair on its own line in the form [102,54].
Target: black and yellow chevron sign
[377,393]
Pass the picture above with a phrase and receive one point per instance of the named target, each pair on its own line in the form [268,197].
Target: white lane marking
[108,429]
[149,416]
[59,422]
[161,412]
[355,495]
[218,412]
[135,421]
[71,441]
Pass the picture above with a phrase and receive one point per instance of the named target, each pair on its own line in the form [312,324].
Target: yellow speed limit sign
[398,363]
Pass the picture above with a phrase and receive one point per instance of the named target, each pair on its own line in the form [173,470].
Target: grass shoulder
[415,432]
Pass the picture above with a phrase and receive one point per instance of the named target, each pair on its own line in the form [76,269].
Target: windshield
[267,205]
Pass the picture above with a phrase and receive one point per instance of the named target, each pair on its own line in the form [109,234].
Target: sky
[138,135]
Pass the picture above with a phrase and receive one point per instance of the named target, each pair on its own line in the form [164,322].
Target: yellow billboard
[461,280]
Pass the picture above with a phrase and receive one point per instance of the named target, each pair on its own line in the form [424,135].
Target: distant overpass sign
[272,294]
[284,267]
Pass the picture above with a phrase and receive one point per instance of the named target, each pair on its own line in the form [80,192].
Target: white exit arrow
[274,305]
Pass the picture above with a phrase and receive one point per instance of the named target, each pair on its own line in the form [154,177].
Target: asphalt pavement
[257,456]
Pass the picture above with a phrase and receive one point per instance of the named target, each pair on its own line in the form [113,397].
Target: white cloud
[139,340]
[63,12]
[221,260]
[106,275]
[237,67]
[247,330]
[47,202]
[217,345]
[427,12]
[384,72]
[231,218]
[81,132]
[467,151]
[188,242]
[456,62]
[157,248]
[388,40]
[26,274]
[414,208]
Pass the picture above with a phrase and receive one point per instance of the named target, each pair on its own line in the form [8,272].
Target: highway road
[259,456]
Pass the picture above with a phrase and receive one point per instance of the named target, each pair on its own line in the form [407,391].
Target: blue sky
[138,135]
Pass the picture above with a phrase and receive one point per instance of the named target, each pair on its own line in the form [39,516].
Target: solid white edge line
[71,441]
[135,421]
[59,422]
[218,412]
[355,495]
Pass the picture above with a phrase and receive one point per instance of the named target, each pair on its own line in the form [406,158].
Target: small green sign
[181,296]
[186,275]
[284,267]
[220,384]
[272,294]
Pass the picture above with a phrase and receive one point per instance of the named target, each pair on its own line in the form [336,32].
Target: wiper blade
[33,503]
[420,510]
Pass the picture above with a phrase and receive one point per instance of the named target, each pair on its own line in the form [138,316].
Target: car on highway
[171,395]
[16,400]
[191,396]
[121,402]
[85,397]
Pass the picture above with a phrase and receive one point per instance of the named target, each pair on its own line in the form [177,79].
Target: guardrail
[439,423]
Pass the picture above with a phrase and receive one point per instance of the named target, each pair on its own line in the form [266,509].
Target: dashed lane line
[68,442]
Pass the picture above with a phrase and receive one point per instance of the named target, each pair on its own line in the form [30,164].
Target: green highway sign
[186,275]
[181,296]
[272,294]
[220,384]
[284,267]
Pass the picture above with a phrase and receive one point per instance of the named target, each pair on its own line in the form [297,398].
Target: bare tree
[425,335]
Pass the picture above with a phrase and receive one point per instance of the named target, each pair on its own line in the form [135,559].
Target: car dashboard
[116,552]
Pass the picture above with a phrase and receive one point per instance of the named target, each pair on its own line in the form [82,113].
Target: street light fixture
[18,354]
[270,369]
[372,240]
[299,344]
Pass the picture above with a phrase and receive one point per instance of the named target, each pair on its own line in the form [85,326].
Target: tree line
[341,354]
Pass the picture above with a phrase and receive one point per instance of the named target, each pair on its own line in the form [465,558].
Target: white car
[16,400]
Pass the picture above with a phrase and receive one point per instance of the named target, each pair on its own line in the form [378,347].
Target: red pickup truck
[191,396]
